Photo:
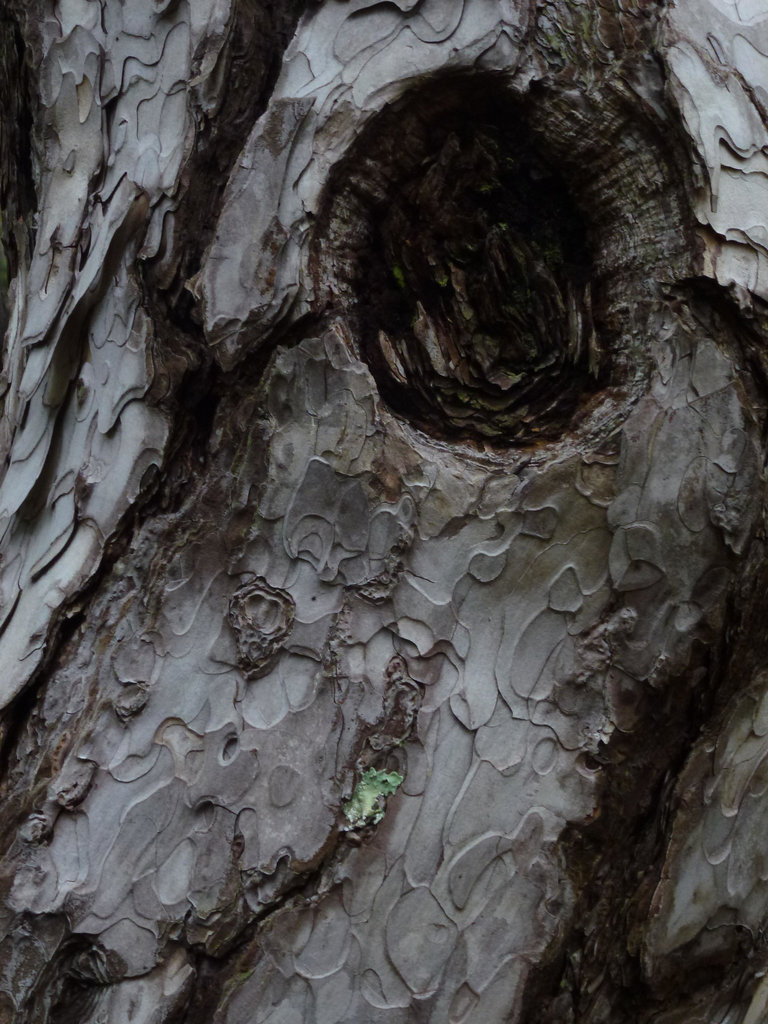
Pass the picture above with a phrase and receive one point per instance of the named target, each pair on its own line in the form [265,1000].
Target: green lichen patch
[367,804]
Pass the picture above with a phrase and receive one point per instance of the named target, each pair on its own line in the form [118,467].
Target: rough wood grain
[382,554]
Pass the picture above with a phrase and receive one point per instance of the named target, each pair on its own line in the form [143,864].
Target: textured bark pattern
[383,514]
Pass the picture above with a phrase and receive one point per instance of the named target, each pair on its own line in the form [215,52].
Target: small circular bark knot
[36,830]
[261,617]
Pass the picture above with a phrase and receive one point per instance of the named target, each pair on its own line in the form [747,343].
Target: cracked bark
[383,438]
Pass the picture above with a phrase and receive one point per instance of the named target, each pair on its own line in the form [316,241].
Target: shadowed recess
[472,288]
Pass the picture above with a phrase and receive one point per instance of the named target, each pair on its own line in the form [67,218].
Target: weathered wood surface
[382,558]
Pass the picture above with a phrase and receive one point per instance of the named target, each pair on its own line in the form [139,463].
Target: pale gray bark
[383,511]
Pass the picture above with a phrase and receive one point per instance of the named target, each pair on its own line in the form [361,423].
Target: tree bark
[382,557]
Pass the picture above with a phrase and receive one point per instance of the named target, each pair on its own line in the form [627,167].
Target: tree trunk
[382,559]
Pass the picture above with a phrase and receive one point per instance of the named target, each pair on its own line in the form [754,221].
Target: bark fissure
[382,522]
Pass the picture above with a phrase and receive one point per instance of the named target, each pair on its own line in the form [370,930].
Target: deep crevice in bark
[597,976]
[17,180]
[252,59]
